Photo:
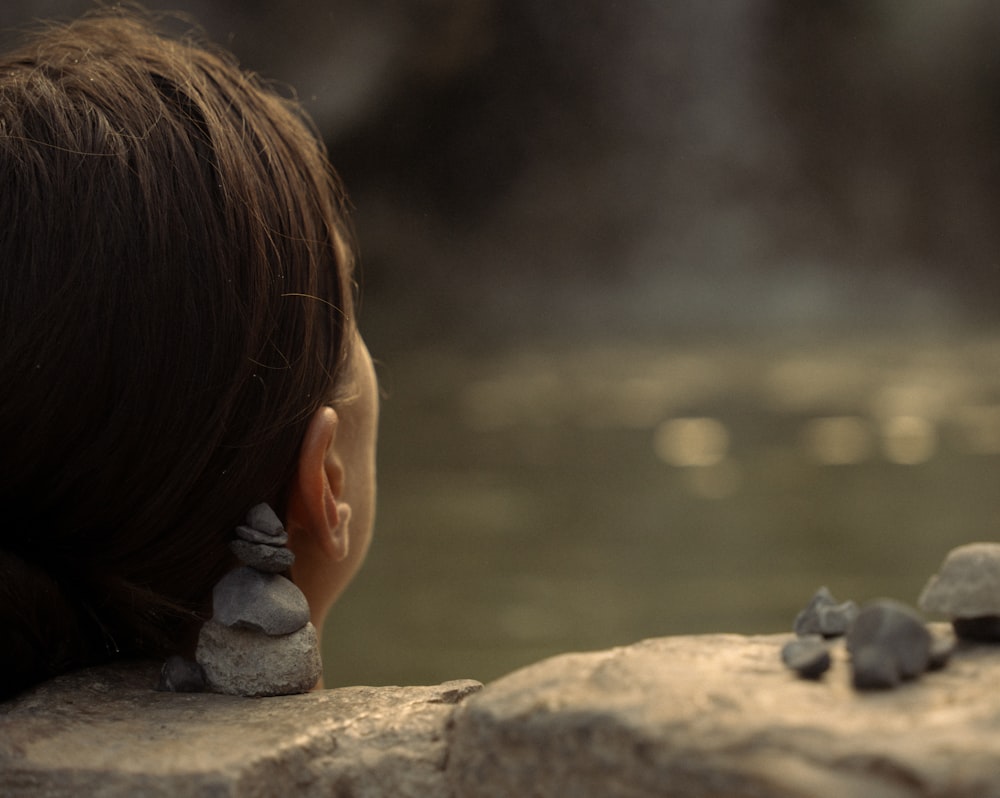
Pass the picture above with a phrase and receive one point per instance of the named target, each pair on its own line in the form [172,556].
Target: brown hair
[175,300]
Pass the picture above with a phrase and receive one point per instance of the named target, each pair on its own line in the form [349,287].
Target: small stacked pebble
[823,618]
[259,641]
[967,590]
[887,641]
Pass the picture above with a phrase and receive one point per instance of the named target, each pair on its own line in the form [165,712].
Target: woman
[177,344]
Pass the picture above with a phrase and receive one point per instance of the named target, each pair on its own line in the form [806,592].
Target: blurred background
[681,309]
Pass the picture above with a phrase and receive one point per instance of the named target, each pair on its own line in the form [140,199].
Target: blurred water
[564,496]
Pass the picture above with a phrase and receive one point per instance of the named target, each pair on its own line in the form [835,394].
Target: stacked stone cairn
[259,641]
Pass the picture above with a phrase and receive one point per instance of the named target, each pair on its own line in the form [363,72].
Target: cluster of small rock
[259,641]
[888,641]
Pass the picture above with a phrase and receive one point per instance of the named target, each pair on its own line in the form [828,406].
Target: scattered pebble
[179,675]
[808,656]
[824,616]
[967,589]
[247,599]
[888,643]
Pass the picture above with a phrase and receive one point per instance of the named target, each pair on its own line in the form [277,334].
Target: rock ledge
[106,732]
[692,716]
[719,715]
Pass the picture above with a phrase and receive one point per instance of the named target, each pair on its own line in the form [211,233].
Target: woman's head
[175,312]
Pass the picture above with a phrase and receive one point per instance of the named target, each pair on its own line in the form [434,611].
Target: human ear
[314,517]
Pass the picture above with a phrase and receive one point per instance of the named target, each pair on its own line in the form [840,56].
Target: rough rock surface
[241,662]
[262,556]
[713,715]
[107,733]
[719,715]
[968,583]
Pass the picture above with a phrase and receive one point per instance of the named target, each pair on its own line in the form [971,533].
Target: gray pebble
[824,616]
[247,599]
[836,619]
[263,518]
[888,631]
[272,559]
[808,656]
[251,535]
[874,668]
[179,675]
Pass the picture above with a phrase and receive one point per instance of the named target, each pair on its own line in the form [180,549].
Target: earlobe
[313,511]
[340,537]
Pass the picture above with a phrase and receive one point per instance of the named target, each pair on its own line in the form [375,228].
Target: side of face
[331,509]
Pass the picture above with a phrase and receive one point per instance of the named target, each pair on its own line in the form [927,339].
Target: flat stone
[247,599]
[251,535]
[719,715]
[106,732]
[263,556]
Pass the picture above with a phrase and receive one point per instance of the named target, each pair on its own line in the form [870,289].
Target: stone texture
[888,643]
[181,675]
[241,662]
[247,599]
[263,518]
[967,584]
[263,556]
[808,656]
[824,616]
[251,535]
[718,715]
[714,715]
[106,733]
